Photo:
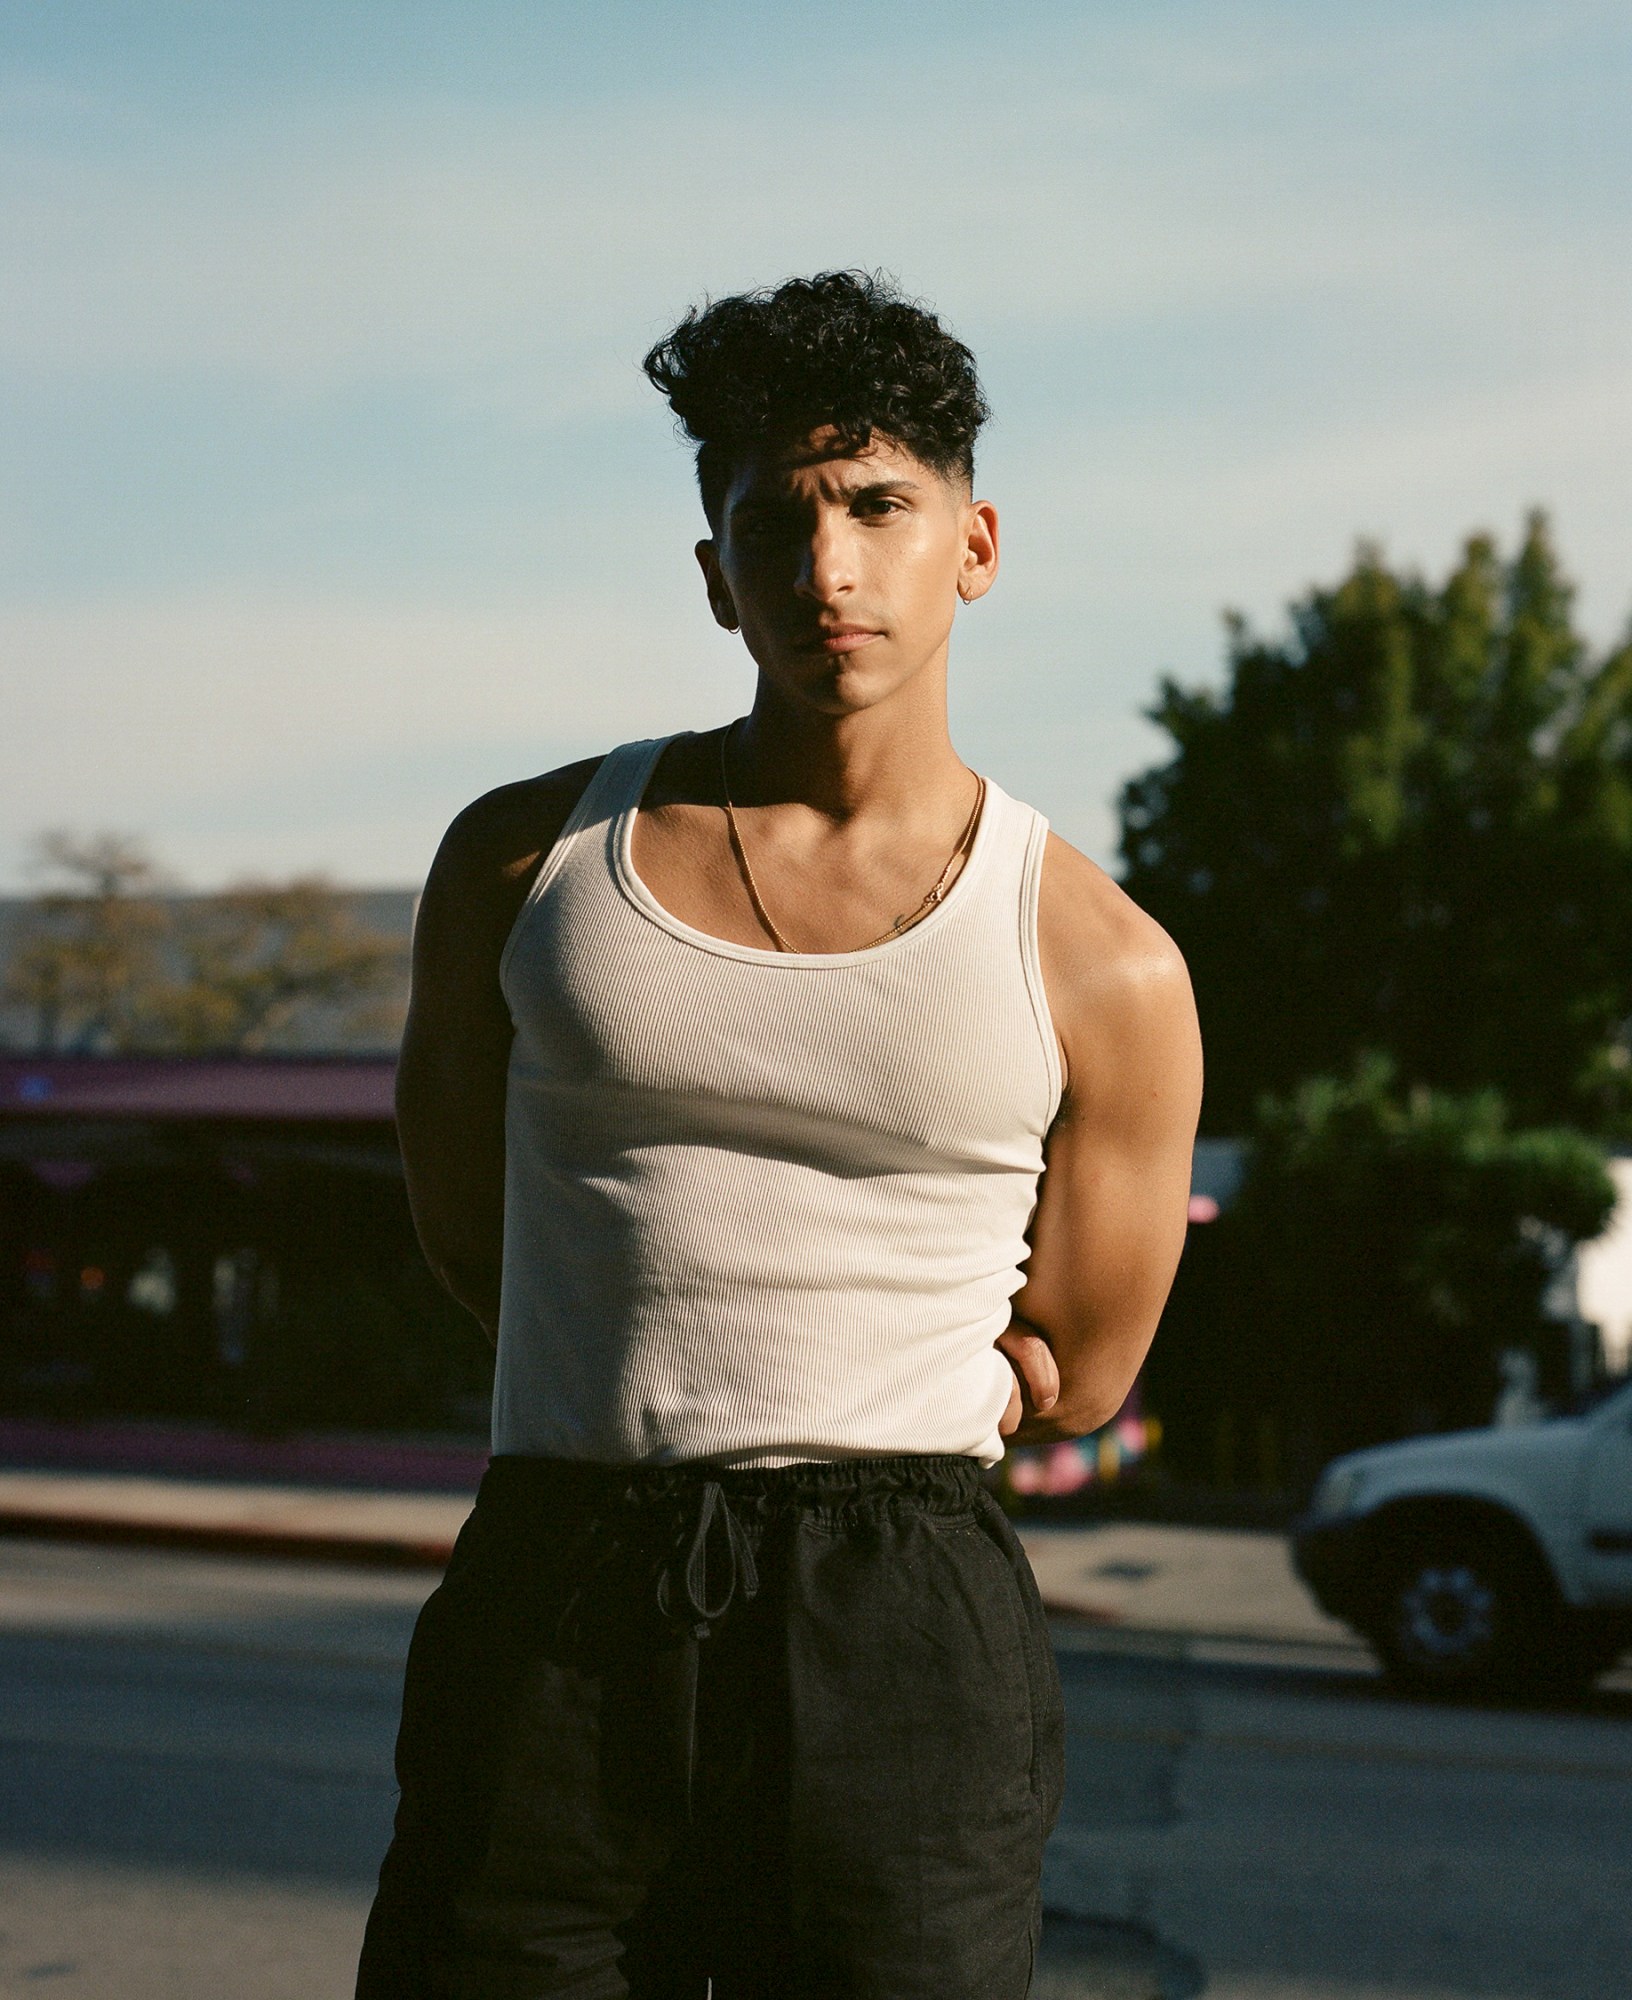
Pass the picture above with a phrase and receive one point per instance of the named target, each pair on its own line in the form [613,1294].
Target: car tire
[1463,1616]
[1596,1655]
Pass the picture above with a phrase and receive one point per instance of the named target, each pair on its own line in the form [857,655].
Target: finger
[1010,1420]
[1033,1361]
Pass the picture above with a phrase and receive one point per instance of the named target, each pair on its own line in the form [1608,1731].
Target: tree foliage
[110,960]
[1406,826]
[1384,1249]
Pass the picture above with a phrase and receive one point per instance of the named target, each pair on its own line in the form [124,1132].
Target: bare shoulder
[1095,937]
[1117,984]
[486,864]
[506,833]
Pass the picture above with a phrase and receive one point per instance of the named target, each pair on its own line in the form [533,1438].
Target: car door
[1607,1514]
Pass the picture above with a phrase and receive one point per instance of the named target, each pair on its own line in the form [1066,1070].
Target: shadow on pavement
[214,1823]
[1090,1958]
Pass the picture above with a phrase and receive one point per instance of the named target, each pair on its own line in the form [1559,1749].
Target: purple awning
[285,1088]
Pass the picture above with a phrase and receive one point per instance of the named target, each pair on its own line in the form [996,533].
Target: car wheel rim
[1447,1617]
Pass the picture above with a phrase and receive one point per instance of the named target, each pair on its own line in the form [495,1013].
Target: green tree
[1384,1249]
[1405,826]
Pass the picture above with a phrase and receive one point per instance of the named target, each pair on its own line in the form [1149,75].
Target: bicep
[1110,1220]
[473,895]
[453,1069]
[456,1039]
[454,1062]
[1112,1205]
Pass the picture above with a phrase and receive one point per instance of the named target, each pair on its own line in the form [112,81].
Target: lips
[840,639]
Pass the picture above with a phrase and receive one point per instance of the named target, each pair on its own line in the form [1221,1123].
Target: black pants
[796,1732]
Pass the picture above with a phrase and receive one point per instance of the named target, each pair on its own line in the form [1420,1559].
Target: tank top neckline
[633,787]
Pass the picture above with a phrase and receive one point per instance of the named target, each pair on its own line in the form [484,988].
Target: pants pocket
[1042,1672]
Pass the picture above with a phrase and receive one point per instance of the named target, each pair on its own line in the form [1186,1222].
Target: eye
[763,525]
[760,527]
[880,504]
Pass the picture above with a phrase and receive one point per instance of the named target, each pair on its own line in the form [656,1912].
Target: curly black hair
[764,369]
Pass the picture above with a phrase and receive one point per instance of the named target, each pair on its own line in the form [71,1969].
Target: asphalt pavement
[196,1790]
[1201,1583]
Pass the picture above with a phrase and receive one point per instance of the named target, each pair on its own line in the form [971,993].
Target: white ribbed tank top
[761,1206]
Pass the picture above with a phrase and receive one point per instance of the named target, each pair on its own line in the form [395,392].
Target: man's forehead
[827,459]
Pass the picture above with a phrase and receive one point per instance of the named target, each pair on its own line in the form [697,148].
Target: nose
[826,563]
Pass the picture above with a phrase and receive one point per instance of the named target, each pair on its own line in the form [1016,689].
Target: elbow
[1092,1397]
[1072,1415]
[1075,1416]
[1097,1378]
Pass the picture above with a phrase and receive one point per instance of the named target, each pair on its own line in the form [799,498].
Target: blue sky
[331,493]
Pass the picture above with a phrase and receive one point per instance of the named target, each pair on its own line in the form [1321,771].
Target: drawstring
[700,1613]
[689,1598]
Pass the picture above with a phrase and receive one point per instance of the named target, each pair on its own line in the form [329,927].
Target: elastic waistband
[937,1483]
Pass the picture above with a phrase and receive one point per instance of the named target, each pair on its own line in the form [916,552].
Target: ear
[719,597]
[977,565]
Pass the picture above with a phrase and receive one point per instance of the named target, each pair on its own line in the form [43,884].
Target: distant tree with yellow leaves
[111,958]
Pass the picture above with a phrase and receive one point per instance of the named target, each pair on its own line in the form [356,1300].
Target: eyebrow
[877,488]
[871,489]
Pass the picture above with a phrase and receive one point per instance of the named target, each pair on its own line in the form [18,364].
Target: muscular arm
[1111,1210]
[456,1045]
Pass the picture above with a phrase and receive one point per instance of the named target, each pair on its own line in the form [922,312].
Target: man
[801,1118]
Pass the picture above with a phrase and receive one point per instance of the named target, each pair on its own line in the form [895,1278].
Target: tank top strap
[1000,907]
[618,781]
[1000,876]
[1033,831]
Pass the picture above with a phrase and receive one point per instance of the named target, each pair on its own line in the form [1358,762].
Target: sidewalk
[327,1497]
[1222,1585]
[321,1524]
[1109,1578]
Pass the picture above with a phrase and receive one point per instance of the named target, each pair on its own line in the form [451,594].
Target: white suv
[1483,1560]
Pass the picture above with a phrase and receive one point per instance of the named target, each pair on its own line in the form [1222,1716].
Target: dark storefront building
[225,1238]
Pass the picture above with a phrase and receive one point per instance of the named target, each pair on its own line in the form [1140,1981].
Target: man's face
[844,571]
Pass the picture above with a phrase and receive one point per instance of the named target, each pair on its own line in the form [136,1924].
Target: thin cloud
[1245,282]
[392,246]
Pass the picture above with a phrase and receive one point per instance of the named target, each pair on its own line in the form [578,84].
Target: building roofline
[323,1088]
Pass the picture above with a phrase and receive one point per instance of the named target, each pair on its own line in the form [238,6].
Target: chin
[850,698]
[849,689]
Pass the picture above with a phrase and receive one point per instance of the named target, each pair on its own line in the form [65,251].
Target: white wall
[1604,1276]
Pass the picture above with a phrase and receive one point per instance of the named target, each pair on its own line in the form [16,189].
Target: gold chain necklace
[966,840]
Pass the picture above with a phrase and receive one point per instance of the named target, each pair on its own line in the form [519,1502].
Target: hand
[1036,1377]
[476,1287]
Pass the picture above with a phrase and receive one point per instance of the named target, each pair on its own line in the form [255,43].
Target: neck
[891,758]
